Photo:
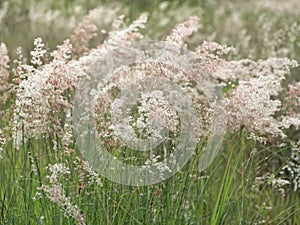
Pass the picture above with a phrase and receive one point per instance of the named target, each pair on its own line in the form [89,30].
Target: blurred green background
[258,29]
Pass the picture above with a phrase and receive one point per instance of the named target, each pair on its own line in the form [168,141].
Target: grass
[223,194]
[227,192]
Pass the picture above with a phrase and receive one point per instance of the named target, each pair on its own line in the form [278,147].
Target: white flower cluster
[183,30]
[57,170]
[55,193]
[141,99]
[4,73]
[291,107]
[251,107]
[40,95]
[278,183]
[154,112]
[38,52]
[86,172]
[292,169]
[244,69]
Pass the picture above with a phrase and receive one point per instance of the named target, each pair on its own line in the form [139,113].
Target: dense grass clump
[248,51]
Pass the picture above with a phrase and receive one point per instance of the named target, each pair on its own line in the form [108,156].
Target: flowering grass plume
[36,108]
[4,74]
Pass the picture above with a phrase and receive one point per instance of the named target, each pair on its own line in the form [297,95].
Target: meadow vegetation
[251,48]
